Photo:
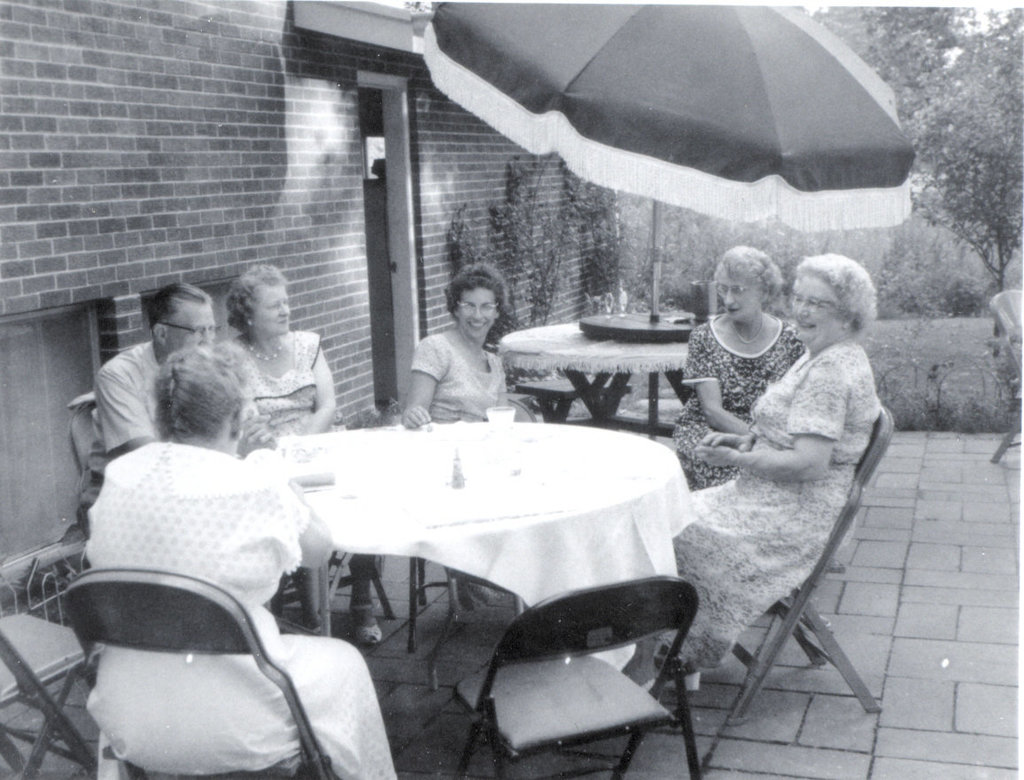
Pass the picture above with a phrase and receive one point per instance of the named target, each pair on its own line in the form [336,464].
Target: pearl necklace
[266,358]
[760,327]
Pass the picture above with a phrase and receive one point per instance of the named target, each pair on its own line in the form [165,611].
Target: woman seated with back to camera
[453,377]
[743,349]
[758,536]
[188,505]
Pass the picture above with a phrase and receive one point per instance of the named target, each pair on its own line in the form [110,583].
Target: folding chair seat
[171,613]
[543,689]
[38,655]
[795,615]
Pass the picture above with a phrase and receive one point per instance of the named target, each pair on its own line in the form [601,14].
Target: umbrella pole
[655,261]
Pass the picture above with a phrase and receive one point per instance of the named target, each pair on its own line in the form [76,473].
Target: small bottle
[458,478]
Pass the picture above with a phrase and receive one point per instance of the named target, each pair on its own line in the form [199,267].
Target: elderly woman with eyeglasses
[758,536]
[742,350]
[453,376]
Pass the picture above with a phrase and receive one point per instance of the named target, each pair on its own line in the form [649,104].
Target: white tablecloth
[545,508]
[564,346]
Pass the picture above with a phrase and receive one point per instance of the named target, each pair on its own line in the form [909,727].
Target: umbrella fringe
[768,199]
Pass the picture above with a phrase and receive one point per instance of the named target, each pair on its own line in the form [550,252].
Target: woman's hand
[742,442]
[415,416]
[256,434]
[716,454]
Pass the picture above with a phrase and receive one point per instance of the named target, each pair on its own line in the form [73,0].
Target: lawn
[940,374]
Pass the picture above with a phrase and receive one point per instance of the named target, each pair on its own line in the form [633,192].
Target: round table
[600,370]
[545,508]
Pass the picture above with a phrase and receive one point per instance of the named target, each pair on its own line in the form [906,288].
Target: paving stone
[836,722]
[897,479]
[986,709]
[967,580]
[988,624]
[952,748]
[964,494]
[983,598]
[938,510]
[867,598]
[865,624]
[881,554]
[959,661]
[944,557]
[986,512]
[976,534]
[877,534]
[912,703]
[927,621]
[889,517]
[992,560]
[773,715]
[869,574]
[941,473]
[903,769]
[789,761]
[899,465]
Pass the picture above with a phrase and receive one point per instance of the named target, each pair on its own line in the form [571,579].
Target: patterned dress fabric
[755,539]
[742,378]
[236,523]
[289,399]
[463,391]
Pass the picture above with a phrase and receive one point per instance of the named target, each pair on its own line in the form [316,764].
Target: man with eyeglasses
[180,315]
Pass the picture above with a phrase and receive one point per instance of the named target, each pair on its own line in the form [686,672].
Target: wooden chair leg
[839,659]
[1004,445]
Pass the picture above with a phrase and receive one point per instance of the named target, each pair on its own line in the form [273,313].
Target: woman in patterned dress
[453,376]
[188,505]
[287,372]
[757,537]
[743,350]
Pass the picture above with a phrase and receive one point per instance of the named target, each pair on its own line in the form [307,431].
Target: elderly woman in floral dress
[758,536]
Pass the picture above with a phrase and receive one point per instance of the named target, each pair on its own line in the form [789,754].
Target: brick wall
[148,142]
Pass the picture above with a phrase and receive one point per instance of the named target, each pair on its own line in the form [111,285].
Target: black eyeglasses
[202,330]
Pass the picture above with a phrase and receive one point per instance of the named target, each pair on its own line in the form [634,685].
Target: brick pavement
[927,609]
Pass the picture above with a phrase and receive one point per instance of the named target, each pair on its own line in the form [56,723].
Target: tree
[957,77]
[971,136]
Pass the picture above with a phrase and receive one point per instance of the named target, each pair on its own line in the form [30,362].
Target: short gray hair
[850,283]
[197,390]
[749,262]
[243,291]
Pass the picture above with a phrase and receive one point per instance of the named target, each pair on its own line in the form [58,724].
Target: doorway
[390,247]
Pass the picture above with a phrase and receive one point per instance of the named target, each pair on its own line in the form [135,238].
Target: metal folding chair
[795,616]
[1005,308]
[543,689]
[38,655]
[171,613]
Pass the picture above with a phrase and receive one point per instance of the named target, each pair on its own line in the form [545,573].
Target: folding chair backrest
[881,434]
[598,618]
[1005,308]
[166,612]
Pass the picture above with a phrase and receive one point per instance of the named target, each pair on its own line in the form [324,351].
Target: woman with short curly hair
[741,350]
[453,376]
[191,506]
